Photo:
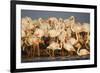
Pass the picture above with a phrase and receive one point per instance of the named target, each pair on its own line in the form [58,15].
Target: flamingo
[23,34]
[44,25]
[53,46]
[68,46]
[84,35]
[82,52]
[61,38]
[27,23]
[38,34]
[34,41]
[86,28]
[53,34]
[82,39]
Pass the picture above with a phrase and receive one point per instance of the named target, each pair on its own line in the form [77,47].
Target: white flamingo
[82,52]
[69,47]
[84,38]
[23,35]
[62,37]
[38,34]
[53,46]
[27,23]
[34,41]
[53,33]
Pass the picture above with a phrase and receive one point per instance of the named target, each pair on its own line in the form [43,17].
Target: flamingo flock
[66,35]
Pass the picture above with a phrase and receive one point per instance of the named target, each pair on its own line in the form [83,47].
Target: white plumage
[53,33]
[39,33]
[83,52]
[72,41]
[68,47]
[54,46]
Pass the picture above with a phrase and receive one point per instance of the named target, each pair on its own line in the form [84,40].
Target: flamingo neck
[78,51]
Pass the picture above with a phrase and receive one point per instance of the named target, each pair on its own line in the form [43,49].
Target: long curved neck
[71,27]
[78,50]
[77,36]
